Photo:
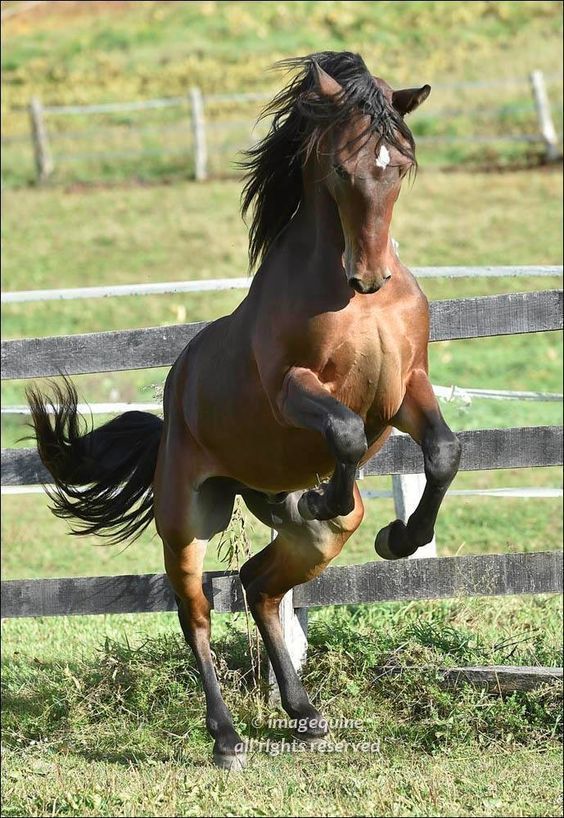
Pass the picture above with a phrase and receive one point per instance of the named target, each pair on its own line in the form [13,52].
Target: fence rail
[427,578]
[507,314]
[482,449]
[201,147]
[448,393]
[206,285]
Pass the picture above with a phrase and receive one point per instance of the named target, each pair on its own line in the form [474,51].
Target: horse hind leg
[301,551]
[186,520]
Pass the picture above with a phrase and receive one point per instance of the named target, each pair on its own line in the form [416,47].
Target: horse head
[361,157]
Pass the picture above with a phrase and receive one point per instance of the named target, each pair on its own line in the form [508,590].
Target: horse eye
[341,172]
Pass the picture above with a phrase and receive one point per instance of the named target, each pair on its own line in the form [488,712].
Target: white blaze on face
[383,158]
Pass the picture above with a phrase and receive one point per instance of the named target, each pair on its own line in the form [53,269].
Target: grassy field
[105,715]
[106,51]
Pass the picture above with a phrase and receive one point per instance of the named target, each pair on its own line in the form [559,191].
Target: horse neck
[316,229]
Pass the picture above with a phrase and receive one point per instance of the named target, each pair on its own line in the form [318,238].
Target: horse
[281,401]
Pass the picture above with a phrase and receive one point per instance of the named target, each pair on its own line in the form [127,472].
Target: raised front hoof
[315,505]
[392,542]
[233,762]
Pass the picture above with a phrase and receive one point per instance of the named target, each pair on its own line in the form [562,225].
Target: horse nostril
[357,285]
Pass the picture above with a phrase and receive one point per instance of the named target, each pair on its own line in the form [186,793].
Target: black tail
[103,478]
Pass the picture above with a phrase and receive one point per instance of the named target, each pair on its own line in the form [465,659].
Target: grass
[79,53]
[131,50]
[105,717]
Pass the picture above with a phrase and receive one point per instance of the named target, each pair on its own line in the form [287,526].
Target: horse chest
[364,372]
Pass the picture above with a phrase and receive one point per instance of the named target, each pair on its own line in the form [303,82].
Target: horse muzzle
[369,283]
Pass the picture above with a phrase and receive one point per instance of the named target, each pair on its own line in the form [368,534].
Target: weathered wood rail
[483,449]
[427,578]
[453,319]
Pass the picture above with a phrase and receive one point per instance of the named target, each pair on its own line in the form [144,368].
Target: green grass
[105,717]
[150,49]
[76,54]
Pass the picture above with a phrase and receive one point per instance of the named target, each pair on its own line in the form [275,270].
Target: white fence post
[199,132]
[41,152]
[408,489]
[546,125]
[294,628]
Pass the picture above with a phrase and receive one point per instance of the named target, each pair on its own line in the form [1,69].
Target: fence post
[407,490]
[546,125]
[199,132]
[294,628]
[41,152]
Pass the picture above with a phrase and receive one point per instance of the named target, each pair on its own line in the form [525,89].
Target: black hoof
[307,739]
[229,752]
[315,505]
[311,729]
[392,542]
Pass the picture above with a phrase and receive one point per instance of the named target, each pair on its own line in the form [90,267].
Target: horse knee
[346,435]
[442,457]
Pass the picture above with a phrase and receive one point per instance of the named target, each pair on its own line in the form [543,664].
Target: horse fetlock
[318,504]
[227,739]
[442,459]
[307,723]
[418,532]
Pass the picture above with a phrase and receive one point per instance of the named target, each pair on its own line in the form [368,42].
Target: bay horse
[281,401]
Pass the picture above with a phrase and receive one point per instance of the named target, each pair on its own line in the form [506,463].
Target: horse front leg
[305,403]
[421,418]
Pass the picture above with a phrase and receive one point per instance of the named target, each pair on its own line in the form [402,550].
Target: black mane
[273,185]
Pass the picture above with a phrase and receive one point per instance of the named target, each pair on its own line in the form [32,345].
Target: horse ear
[408,99]
[326,86]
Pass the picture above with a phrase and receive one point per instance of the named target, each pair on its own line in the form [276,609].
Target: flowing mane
[273,180]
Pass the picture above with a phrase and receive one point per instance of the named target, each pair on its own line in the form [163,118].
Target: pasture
[102,716]
[73,53]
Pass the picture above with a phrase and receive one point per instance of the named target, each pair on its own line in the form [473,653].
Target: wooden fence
[518,573]
[195,136]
